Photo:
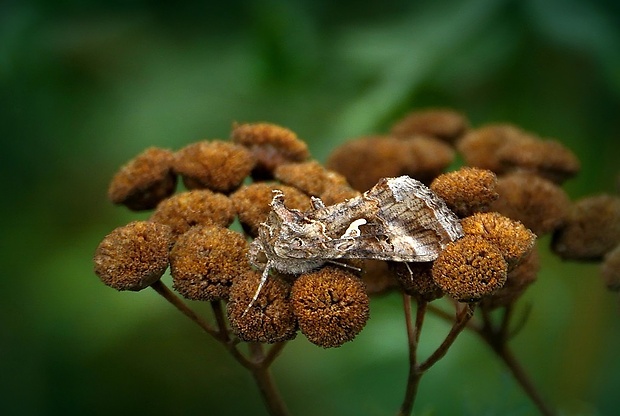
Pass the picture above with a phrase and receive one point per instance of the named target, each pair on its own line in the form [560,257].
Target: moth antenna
[262,282]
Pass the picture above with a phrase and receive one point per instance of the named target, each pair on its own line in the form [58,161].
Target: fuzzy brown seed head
[251,203]
[517,281]
[416,279]
[511,237]
[432,157]
[377,277]
[480,147]
[215,165]
[270,319]
[338,193]
[310,177]
[331,306]
[539,204]
[610,269]
[444,124]
[205,260]
[271,145]
[591,230]
[133,257]
[144,181]
[198,207]
[470,268]
[466,190]
[547,158]
[366,160]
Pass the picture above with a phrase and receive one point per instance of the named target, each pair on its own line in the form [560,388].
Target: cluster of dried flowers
[507,193]
[188,230]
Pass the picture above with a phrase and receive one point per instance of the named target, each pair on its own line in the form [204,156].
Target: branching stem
[258,363]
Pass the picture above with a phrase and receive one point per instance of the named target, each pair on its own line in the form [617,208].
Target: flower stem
[459,324]
[497,340]
[169,295]
[264,380]
[417,370]
[413,337]
[258,364]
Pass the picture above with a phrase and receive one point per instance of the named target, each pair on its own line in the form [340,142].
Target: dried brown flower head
[480,147]
[511,237]
[144,181]
[271,145]
[547,158]
[416,279]
[377,277]
[198,207]
[591,230]
[466,190]
[470,268]
[518,279]
[133,257]
[366,160]
[331,306]
[432,157]
[443,124]
[205,260]
[310,177]
[251,203]
[610,269]
[270,319]
[215,165]
[338,193]
[539,204]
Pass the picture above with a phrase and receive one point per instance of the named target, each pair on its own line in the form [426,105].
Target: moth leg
[345,265]
[410,271]
[262,282]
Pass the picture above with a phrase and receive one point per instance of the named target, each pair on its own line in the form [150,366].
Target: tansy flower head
[310,177]
[366,160]
[416,279]
[466,190]
[592,229]
[547,158]
[331,306]
[271,145]
[479,147]
[270,318]
[444,124]
[519,278]
[610,269]
[144,181]
[215,165]
[205,260]
[377,277]
[538,203]
[198,207]
[133,257]
[470,268]
[511,237]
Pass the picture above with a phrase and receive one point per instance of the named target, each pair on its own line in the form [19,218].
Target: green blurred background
[86,85]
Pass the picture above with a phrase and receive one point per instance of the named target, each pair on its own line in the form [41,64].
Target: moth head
[291,233]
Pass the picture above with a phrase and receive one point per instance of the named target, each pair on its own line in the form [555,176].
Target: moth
[399,219]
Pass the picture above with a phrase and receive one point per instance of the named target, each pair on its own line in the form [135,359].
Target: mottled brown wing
[406,221]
